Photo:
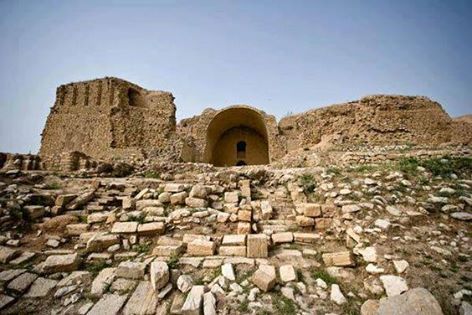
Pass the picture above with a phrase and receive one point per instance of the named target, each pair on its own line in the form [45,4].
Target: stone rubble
[237,241]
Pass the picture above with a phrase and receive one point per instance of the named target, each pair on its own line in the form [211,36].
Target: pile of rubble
[243,240]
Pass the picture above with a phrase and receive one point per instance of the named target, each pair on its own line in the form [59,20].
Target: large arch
[237,136]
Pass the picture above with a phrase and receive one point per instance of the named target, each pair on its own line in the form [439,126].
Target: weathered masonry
[112,119]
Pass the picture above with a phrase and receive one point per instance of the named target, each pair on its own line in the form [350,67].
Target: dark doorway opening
[241,149]
[241,163]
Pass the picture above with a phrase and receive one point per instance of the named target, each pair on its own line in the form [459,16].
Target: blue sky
[281,56]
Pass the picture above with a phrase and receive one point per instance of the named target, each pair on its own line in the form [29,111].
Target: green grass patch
[308,182]
[142,248]
[95,268]
[283,305]
[325,276]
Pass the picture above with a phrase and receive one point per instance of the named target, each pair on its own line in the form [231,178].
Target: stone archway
[237,136]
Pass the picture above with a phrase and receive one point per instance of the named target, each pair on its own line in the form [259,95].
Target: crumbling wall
[376,120]
[106,119]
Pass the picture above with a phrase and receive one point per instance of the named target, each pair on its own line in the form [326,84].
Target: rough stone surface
[418,301]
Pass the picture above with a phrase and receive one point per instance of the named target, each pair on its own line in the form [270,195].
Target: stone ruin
[358,208]
[112,119]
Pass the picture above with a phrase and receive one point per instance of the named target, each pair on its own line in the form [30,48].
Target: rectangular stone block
[257,246]
[232,251]
[124,227]
[61,263]
[323,223]
[312,210]
[309,238]
[154,228]
[304,221]
[340,259]
[245,215]
[328,211]
[130,270]
[201,248]
[234,239]
[283,237]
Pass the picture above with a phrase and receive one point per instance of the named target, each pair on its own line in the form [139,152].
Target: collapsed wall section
[374,120]
[106,119]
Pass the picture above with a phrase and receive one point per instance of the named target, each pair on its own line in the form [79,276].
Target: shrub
[308,183]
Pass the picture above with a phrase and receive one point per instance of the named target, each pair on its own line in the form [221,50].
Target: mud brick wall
[107,118]
[377,120]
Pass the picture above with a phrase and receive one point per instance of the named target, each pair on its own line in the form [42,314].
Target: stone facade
[112,119]
[107,118]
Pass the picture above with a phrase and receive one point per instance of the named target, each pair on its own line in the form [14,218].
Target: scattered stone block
[184,283]
[102,281]
[130,270]
[7,254]
[228,272]
[287,273]
[142,301]
[9,274]
[76,229]
[35,212]
[101,241]
[40,288]
[393,285]
[257,246]
[21,283]
[194,300]
[128,203]
[61,263]
[64,200]
[350,209]
[340,259]
[209,304]
[5,300]
[109,304]
[418,301]
[159,274]
[263,279]
[336,295]
[400,265]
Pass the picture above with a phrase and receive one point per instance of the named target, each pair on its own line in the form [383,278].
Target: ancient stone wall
[108,118]
[380,119]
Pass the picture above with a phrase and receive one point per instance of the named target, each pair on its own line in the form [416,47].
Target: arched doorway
[237,136]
